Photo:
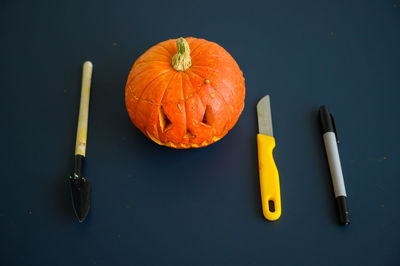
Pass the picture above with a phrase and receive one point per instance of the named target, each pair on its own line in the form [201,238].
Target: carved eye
[208,117]
[165,123]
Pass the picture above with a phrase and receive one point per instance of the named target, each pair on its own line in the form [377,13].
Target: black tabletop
[153,205]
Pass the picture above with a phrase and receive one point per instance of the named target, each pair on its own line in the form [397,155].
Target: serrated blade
[264,116]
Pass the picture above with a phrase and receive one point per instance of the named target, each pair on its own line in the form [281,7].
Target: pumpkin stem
[181,61]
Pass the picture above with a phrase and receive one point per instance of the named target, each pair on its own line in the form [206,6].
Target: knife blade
[264,116]
[269,176]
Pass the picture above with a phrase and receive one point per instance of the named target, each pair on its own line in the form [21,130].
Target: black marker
[331,141]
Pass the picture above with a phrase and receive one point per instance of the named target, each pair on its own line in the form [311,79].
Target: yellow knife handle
[269,178]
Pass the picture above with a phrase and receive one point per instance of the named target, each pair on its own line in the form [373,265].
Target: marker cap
[343,210]
[327,121]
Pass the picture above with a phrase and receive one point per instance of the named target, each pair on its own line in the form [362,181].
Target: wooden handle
[269,178]
[81,134]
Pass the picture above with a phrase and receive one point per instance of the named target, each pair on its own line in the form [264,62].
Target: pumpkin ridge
[186,107]
[148,84]
[184,103]
[183,100]
[160,45]
[223,81]
[183,91]
[195,41]
[204,66]
[197,66]
[220,49]
[166,87]
[147,101]
[186,97]
[212,55]
[143,71]
[145,68]
[192,51]
[140,60]
[196,90]
[215,89]
[158,53]
[152,61]
[226,104]
[230,86]
[208,78]
[202,102]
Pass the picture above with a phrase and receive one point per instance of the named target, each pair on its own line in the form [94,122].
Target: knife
[269,177]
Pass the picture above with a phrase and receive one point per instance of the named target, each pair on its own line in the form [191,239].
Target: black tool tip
[82,215]
[80,193]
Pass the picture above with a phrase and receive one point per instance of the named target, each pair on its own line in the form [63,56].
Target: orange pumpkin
[185,93]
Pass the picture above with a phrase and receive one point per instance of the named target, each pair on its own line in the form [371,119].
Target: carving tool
[269,177]
[80,186]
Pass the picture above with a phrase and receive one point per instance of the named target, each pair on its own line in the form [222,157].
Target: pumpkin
[185,93]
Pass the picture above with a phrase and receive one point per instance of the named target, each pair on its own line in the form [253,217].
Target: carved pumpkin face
[185,93]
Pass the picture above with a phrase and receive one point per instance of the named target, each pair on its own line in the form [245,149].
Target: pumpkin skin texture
[190,108]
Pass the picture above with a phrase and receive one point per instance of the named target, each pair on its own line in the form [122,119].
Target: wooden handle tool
[80,186]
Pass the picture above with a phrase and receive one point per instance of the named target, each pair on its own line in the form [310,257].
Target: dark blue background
[158,206]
